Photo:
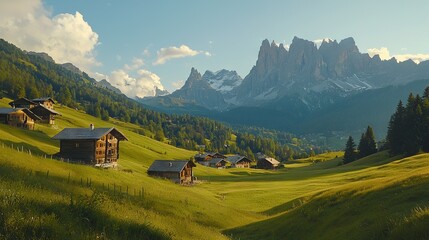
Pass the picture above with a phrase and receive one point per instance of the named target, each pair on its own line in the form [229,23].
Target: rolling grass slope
[378,197]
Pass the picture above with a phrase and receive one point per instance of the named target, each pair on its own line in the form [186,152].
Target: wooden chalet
[47,115]
[238,161]
[90,145]
[179,171]
[18,117]
[45,101]
[217,162]
[267,163]
[204,157]
[23,103]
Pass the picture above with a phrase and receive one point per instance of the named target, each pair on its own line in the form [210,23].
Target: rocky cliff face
[302,75]
[330,71]
[198,91]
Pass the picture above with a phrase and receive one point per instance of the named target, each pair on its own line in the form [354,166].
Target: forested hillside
[31,76]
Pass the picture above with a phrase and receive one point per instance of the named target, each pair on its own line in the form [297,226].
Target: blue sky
[138,45]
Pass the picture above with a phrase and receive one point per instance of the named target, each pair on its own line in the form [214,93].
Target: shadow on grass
[23,147]
[77,216]
[396,211]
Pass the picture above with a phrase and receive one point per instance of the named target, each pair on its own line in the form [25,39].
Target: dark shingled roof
[237,158]
[46,109]
[169,165]
[8,110]
[87,133]
[21,100]
[216,160]
[12,110]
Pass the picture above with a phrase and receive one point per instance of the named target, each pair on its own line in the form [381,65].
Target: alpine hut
[90,145]
[179,171]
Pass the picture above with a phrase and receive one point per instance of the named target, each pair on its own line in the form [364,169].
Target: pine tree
[370,141]
[362,147]
[350,151]
[412,135]
[367,145]
[395,131]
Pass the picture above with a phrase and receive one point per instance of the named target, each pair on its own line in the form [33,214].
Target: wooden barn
[45,101]
[23,103]
[179,171]
[267,163]
[238,161]
[217,162]
[205,157]
[18,117]
[90,145]
[47,115]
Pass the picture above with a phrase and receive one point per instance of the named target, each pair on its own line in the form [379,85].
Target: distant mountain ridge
[332,71]
[297,82]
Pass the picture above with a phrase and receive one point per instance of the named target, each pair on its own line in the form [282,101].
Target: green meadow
[378,197]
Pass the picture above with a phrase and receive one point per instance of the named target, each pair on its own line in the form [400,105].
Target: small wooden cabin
[267,163]
[23,103]
[179,171]
[46,114]
[217,163]
[203,157]
[45,101]
[90,145]
[18,117]
[238,161]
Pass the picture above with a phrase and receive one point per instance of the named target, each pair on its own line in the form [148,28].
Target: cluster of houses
[180,171]
[24,113]
[217,160]
[100,146]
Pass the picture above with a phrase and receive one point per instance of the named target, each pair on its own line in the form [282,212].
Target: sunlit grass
[312,198]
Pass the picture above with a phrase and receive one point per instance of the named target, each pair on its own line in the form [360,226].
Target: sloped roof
[21,101]
[237,158]
[169,165]
[211,154]
[8,110]
[25,110]
[47,109]
[216,160]
[201,155]
[87,133]
[43,99]
[271,160]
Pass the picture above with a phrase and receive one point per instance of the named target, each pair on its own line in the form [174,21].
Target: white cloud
[319,42]
[178,84]
[165,54]
[417,58]
[99,76]
[136,64]
[134,81]
[385,55]
[65,37]
[140,86]
[382,52]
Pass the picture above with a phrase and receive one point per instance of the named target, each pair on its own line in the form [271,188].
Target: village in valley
[99,147]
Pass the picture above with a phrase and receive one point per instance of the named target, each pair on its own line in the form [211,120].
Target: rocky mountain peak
[349,44]
[194,76]
[302,44]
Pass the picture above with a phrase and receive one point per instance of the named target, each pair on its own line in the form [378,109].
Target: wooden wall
[78,150]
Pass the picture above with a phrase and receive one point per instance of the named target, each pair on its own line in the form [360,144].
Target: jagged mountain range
[296,82]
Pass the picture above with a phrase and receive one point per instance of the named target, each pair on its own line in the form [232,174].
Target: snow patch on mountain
[223,80]
[268,95]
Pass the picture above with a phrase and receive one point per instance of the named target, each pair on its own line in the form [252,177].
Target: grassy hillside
[374,198]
